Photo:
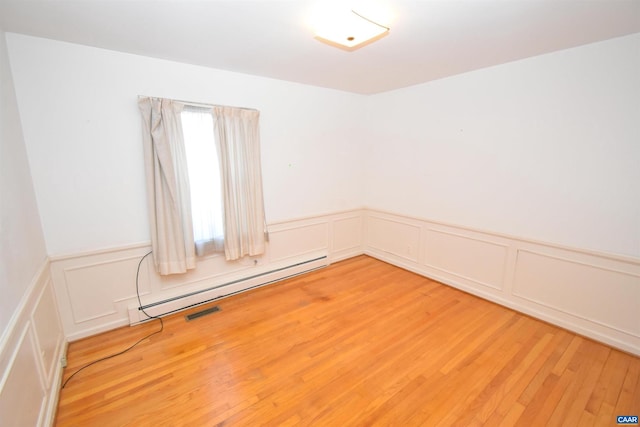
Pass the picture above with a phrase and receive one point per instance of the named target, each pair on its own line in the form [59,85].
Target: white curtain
[167,186]
[238,139]
[204,178]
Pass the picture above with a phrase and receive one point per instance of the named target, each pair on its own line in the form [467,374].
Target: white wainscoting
[595,295]
[97,290]
[30,354]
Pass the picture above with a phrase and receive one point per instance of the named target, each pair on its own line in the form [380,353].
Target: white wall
[22,248]
[31,338]
[82,130]
[540,150]
[546,148]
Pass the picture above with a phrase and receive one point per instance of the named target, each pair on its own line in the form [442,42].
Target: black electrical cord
[139,341]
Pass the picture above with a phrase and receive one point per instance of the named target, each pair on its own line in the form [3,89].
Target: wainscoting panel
[347,237]
[596,295]
[298,238]
[97,290]
[396,236]
[577,288]
[22,398]
[473,259]
[47,331]
[30,355]
[94,287]
[593,294]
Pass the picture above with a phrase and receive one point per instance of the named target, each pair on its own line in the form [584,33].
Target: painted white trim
[355,239]
[606,255]
[11,326]
[147,244]
[24,323]
[568,311]
[14,354]
[101,251]
[56,383]
[86,311]
[426,262]
[579,318]
[540,313]
[95,330]
[335,215]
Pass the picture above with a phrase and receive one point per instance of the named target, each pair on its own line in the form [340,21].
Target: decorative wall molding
[96,290]
[593,294]
[30,354]
[406,236]
[596,295]
[478,260]
[579,288]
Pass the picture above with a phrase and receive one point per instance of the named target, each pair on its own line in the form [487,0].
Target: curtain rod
[198,104]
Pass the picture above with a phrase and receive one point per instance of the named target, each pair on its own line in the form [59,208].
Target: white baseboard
[56,384]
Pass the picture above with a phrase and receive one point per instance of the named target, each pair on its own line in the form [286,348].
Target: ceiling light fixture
[350,31]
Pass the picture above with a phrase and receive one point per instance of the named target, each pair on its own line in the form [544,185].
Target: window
[205,160]
[204,180]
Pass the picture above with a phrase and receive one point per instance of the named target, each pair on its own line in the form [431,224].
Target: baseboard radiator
[192,299]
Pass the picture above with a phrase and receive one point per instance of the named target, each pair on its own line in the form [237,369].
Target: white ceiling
[429,39]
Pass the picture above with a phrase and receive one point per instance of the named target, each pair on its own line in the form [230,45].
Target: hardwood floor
[358,343]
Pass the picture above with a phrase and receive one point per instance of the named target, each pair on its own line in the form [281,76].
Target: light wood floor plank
[360,343]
